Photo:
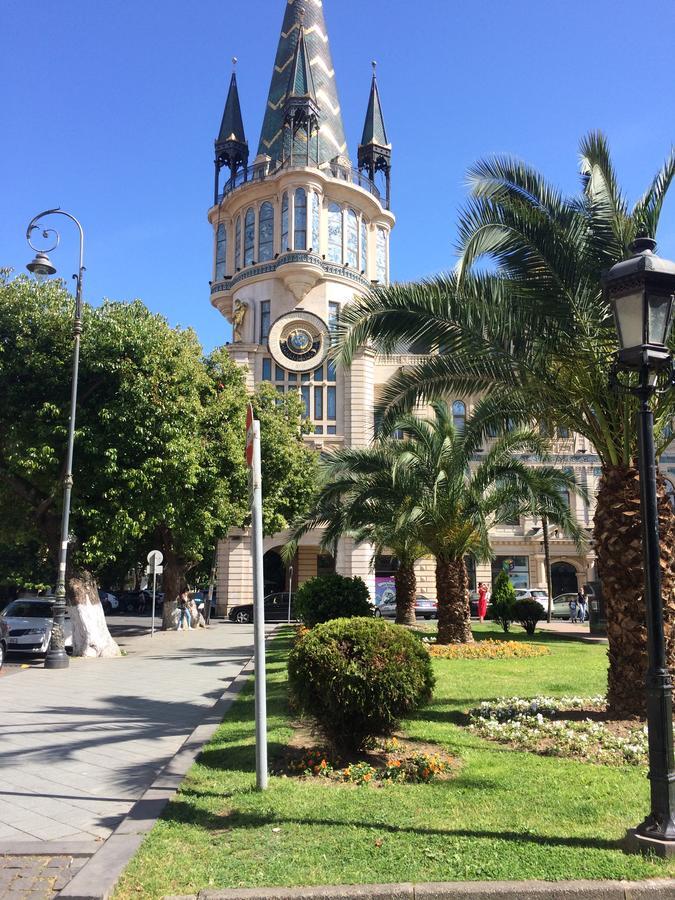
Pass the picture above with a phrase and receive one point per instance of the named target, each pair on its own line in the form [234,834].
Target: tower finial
[374,65]
[234,63]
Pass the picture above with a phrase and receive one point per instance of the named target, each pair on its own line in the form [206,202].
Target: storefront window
[516,567]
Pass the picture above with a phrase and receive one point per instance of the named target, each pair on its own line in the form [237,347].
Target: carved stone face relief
[299,341]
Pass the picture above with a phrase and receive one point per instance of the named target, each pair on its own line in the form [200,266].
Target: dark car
[135,602]
[276,609]
[4,640]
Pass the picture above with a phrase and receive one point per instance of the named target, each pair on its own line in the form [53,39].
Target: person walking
[482,600]
[581,606]
[183,611]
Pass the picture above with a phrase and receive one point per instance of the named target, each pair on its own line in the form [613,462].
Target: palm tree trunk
[618,544]
[547,564]
[406,590]
[454,611]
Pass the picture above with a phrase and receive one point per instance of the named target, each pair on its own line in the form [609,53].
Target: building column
[235,572]
[355,561]
[359,400]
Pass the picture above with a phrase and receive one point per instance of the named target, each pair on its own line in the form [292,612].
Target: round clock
[299,341]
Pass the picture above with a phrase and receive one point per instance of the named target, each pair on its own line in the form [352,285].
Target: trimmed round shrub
[527,613]
[329,597]
[357,678]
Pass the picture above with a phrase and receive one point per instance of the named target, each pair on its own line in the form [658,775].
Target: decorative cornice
[294,256]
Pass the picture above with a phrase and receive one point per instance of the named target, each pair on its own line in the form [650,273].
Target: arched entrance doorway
[274,572]
[564,578]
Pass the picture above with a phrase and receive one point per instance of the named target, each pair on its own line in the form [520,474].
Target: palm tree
[363,497]
[536,335]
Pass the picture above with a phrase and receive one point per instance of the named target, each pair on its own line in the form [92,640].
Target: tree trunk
[618,545]
[406,591]
[454,610]
[547,564]
[90,629]
[173,583]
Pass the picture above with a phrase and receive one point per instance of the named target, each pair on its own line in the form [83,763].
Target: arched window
[249,236]
[266,233]
[459,415]
[221,252]
[381,255]
[352,239]
[316,218]
[284,224]
[300,219]
[364,245]
[237,244]
[334,233]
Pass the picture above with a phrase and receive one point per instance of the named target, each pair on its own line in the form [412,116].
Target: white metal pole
[154,594]
[258,614]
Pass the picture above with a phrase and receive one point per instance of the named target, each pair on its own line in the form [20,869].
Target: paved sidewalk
[78,747]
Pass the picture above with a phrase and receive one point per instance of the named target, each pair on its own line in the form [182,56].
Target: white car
[28,625]
[109,602]
[538,594]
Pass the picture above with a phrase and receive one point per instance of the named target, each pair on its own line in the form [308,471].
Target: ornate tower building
[297,234]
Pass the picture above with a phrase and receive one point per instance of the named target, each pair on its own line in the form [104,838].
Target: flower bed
[488,649]
[388,761]
[548,726]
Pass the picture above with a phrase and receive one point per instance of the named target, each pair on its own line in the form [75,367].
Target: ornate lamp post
[641,291]
[41,266]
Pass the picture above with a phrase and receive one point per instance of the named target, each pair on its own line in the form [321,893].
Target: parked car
[4,638]
[561,605]
[424,608]
[28,625]
[135,602]
[538,594]
[276,609]
[109,602]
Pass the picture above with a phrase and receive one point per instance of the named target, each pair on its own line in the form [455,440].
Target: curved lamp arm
[56,237]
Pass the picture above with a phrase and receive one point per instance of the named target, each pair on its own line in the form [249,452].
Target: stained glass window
[459,415]
[352,239]
[316,219]
[381,255]
[284,224]
[334,233]
[266,233]
[267,369]
[364,246]
[237,244]
[249,237]
[300,219]
[221,252]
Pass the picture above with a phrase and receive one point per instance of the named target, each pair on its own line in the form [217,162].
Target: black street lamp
[641,291]
[41,267]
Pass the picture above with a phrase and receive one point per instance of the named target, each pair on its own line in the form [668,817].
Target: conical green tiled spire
[232,125]
[374,131]
[317,63]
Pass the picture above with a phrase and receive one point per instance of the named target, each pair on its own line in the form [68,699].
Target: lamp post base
[56,659]
[640,843]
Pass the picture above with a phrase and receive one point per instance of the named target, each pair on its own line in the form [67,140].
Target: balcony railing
[262,173]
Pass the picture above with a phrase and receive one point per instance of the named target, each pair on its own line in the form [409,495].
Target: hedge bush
[358,677]
[527,613]
[329,597]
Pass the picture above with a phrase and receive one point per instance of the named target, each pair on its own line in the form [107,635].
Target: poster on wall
[385,589]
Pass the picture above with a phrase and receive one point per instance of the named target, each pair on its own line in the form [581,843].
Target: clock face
[299,341]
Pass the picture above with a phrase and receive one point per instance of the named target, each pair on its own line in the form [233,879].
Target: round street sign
[249,436]
[155,558]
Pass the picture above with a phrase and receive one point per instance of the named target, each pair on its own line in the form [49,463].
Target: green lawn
[507,815]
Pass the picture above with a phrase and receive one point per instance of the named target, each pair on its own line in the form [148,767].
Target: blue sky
[110,110]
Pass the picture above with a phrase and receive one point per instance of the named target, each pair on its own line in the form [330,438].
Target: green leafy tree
[536,334]
[503,601]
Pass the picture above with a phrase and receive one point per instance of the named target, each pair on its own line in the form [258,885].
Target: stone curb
[97,879]
[656,889]
[49,848]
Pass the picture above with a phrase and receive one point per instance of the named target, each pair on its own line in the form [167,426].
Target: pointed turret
[375,149]
[231,144]
[304,71]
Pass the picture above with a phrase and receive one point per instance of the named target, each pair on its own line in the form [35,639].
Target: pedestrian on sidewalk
[581,605]
[183,611]
[482,600]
